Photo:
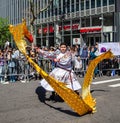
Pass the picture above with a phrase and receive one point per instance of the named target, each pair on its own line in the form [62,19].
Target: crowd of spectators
[14,66]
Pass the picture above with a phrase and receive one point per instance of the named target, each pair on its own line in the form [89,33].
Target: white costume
[62,72]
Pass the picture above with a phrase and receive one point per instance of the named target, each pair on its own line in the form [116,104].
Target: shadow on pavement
[41,92]
[69,112]
[99,90]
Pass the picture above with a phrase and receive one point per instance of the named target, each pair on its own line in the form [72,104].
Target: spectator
[7,44]
[52,61]
[115,66]
[91,57]
[74,53]
[11,67]
[78,65]
[1,67]
[84,57]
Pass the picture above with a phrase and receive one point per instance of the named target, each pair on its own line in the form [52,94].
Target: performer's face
[63,48]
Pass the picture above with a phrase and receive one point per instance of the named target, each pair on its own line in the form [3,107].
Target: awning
[91,29]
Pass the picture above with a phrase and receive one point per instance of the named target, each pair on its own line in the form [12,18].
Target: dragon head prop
[20,32]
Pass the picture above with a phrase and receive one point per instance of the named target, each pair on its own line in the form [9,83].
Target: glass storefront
[63,19]
[67,30]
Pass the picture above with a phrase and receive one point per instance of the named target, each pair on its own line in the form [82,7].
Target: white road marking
[115,85]
[105,81]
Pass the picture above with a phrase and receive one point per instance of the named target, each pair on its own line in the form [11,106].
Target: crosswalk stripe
[115,85]
[105,81]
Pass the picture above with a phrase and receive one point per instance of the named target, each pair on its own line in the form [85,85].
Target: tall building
[70,21]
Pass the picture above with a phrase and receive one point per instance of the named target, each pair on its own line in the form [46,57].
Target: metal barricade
[110,67]
[81,71]
[46,65]
[20,69]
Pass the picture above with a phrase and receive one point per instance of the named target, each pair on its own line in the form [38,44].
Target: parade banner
[113,46]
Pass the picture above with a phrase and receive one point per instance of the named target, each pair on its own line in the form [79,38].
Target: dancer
[63,71]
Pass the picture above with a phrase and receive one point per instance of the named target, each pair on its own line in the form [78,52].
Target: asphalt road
[21,103]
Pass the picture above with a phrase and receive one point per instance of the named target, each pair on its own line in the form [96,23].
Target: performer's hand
[38,50]
[56,60]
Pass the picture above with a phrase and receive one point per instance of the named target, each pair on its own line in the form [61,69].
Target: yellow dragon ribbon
[80,104]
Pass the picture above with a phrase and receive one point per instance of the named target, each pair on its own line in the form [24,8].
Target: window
[77,5]
[98,3]
[68,9]
[60,12]
[64,6]
[72,8]
[87,4]
[111,2]
[72,1]
[45,14]
[104,2]
[92,3]
[55,11]
[42,14]
[82,4]
[68,6]
[72,5]
[52,11]
[56,3]
[48,11]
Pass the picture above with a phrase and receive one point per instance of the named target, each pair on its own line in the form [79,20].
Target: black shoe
[58,98]
[52,97]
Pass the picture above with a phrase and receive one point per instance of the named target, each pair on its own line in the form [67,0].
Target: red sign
[51,29]
[92,29]
[46,30]
[68,27]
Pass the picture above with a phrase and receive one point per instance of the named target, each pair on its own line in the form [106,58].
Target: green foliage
[4,31]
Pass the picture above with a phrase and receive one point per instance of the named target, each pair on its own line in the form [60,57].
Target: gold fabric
[80,104]
[86,95]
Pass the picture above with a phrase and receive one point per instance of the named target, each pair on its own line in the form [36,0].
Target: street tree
[4,31]
[33,13]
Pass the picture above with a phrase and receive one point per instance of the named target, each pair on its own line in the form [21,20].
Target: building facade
[70,21]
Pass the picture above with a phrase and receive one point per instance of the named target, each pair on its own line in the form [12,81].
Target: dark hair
[63,43]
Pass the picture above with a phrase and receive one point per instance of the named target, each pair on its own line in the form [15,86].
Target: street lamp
[102,24]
